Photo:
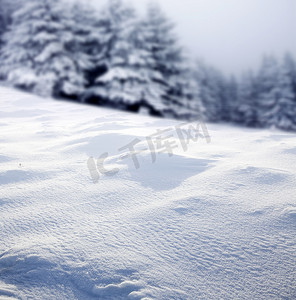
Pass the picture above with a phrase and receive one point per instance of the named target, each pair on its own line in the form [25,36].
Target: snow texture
[215,222]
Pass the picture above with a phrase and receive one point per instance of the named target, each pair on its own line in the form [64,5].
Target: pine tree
[95,44]
[247,109]
[276,98]
[212,92]
[152,87]
[268,89]
[232,101]
[176,90]
[3,19]
[289,67]
[39,51]
[7,7]
[191,106]
[117,81]
[285,111]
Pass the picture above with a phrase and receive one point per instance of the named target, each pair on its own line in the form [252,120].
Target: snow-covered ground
[215,222]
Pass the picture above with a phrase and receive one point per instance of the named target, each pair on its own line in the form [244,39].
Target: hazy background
[231,34]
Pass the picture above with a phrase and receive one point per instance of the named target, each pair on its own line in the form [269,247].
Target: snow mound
[289,213]
[172,171]
[262,176]
[124,290]
[16,176]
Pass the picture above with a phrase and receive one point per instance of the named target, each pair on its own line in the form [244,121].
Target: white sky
[232,34]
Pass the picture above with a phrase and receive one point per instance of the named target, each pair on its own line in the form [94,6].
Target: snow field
[217,221]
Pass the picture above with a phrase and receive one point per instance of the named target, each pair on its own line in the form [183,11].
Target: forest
[116,57]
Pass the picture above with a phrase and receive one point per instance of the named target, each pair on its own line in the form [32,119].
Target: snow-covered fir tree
[268,89]
[212,91]
[152,88]
[284,112]
[230,107]
[3,19]
[39,53]
[276,98]
[247,109]
[94,34]
[289,67]
[173,77]
[116,71]
[7,7]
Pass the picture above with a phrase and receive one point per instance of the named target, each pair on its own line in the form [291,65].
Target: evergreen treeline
[266,99]
[111,57]
[115,58]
